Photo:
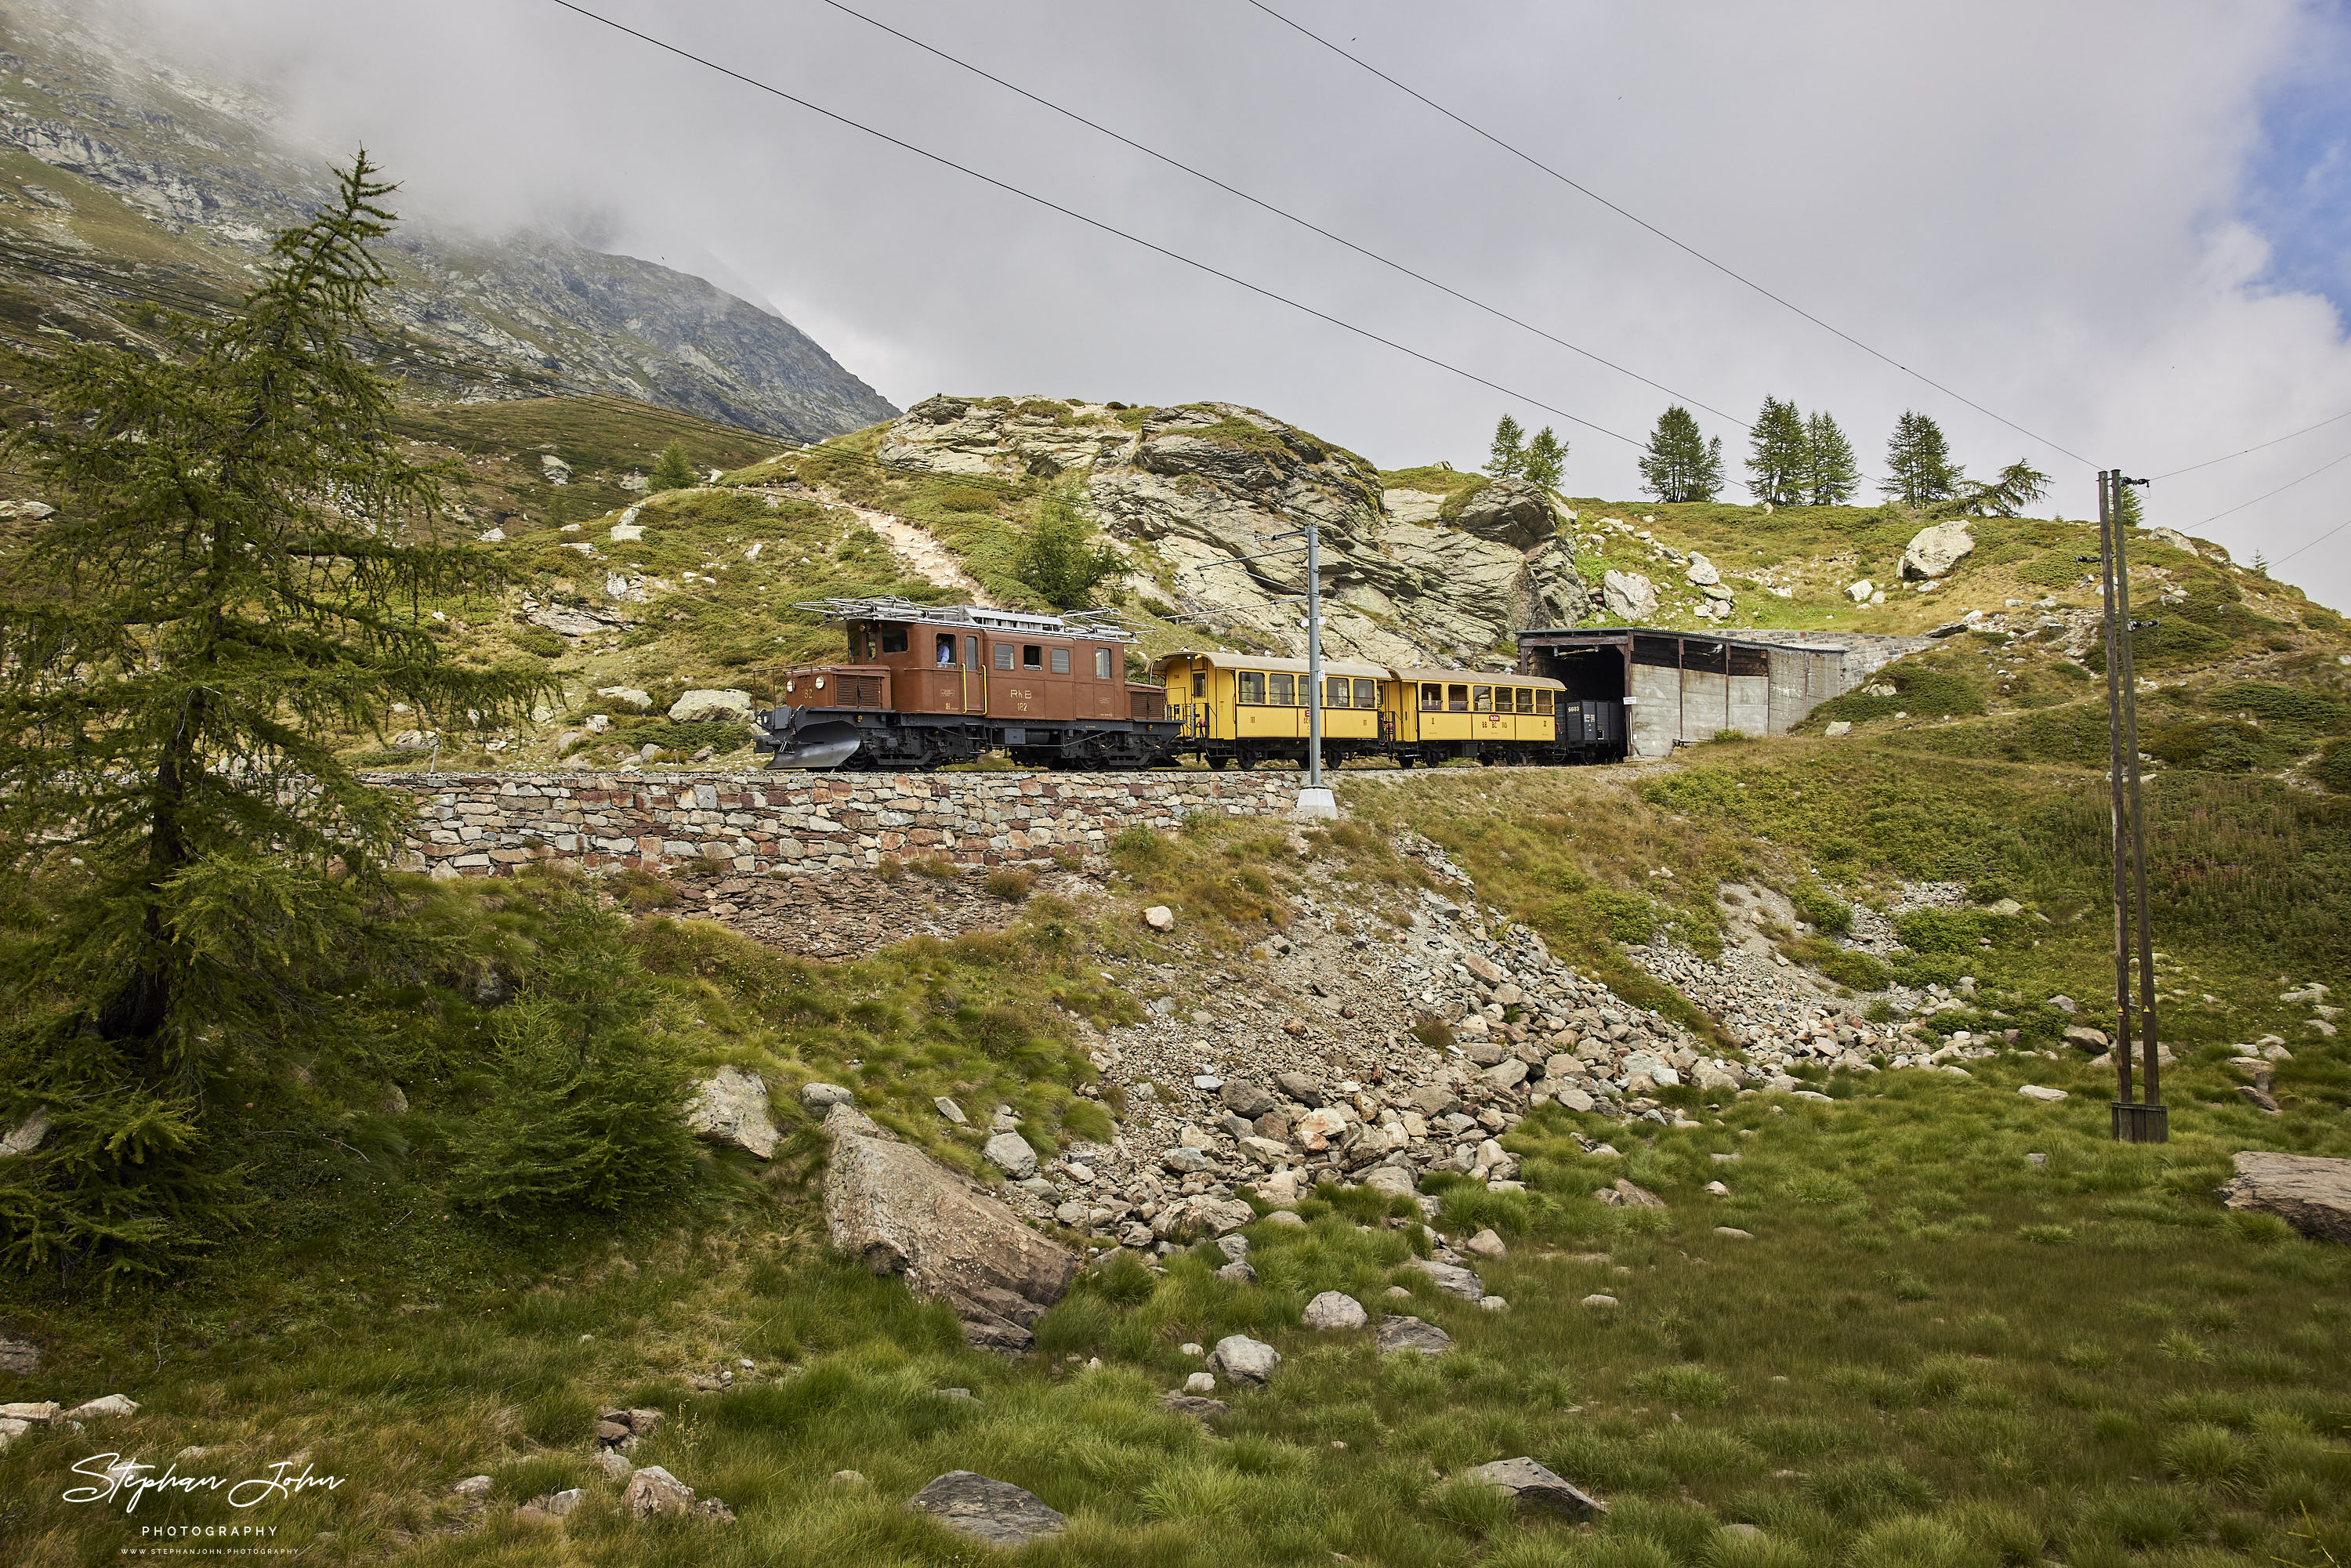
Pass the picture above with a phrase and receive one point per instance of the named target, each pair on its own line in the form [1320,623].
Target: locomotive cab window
[893,639]
[1004,655]
[1282,693]
[1248,686]
[1432,698]
[1032,656]
[1457,699]
[1367,693]
[946,654]
[1102,664]
[1061,661]
[1481,699]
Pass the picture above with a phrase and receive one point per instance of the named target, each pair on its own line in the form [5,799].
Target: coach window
[1282,690]
[1481,699]
[1102,664]
[1336,691]
[1432,698]
[1457,699]
[1248,686]
[893,639]
[1004,655]
[1542,702]
[1199,685]
[1367,693]
[1032,656]
[1526,699]
[1061,661]
[945,656]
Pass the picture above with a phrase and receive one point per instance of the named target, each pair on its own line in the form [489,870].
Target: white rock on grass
[996,1513]
[104,1406]
[1244,1360]
[701,706]
[1486,1244]
[1534,1489]
[654,1490]
[1159,917]
[1335,1309]
[2042,1092]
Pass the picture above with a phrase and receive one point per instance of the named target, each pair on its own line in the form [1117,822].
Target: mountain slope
[123,181]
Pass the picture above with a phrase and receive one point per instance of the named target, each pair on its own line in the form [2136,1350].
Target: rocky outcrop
[2310,1192]
[900,1212]
[1630,599]
[1210,483]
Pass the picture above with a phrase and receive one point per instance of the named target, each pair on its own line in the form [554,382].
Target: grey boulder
[2310,1192]
[654,1490]
[1452,1278]
[1935,551]
[1249,1099]
[1010,1152]
[701,707]
[1300,1087]
[902,1213]
[1537,1490]
[731,1107]
[1402,1334]
[996,1513]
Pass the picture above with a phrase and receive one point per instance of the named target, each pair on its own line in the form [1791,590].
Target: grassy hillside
[1963,1329]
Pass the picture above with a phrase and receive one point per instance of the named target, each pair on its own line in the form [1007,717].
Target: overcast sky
[2123,225]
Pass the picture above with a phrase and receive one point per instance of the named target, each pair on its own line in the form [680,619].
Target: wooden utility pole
[2147,1121]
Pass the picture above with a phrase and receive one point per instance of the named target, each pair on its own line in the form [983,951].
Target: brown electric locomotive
[927,685]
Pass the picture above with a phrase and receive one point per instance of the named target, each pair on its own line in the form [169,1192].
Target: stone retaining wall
[480,824]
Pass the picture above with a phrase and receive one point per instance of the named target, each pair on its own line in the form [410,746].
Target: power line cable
[2321,539]
[1282,213]
[1093,223]
[2305,430]
[2281,490]
[1533,161]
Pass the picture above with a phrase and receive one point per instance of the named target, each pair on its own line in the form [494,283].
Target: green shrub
[546,644]
[580,1101]
[1631,917]
[2278,704]
[968,498]
[2333,768]
[2207,1453]
[1823,908]
[1009,883]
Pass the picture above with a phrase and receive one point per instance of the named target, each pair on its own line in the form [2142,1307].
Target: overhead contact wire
[1636,218]
[946,162]
[1282,213]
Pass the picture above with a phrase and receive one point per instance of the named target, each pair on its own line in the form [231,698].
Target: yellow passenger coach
[1245,708]
[1437,715]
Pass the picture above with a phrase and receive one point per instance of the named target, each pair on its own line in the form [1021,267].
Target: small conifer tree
[1918,461]
[1544,464]
[1778,465]
[673,470]
[1679,464]
[1506,458]
[1831,474]
[236,584]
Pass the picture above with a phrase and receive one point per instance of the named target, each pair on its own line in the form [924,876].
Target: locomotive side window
[1004,655]
[1481,699]
[1542,702]
[1102,664]
[1367,693]
[1061,661]
[1432,698]
[1032,655]
[945,656]
[1457,699]
[1282,694]
[1199,685]
[1248,686]
[971,652]
[893,639]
